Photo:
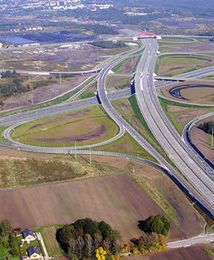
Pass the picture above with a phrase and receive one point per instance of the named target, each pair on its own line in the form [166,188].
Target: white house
[34,253]
[28,235]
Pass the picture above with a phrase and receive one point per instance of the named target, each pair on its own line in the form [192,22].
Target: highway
[165,133]
[32,115]
[194,186]
[186,138]
[201,239]
[9,130]
[54,73]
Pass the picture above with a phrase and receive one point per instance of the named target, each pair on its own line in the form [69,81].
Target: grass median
[80,127]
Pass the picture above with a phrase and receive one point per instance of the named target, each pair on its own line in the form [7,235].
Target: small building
[34,253]
[28,235]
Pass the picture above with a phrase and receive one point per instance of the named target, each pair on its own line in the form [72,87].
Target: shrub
[158,224]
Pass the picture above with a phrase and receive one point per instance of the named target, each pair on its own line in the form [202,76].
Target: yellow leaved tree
[101,253]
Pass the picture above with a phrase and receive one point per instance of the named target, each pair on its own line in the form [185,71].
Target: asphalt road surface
[163,131]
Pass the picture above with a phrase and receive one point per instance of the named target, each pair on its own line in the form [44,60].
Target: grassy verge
[127,145]
[49,236]
[22,172]
[209,250]
[180,114]
[2,128]
[155,194]
[135,118]
[171,65]
[117,82]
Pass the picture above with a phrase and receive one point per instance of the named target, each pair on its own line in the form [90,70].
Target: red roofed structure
[146,35]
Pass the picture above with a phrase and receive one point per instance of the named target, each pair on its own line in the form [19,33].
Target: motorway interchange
[197,175]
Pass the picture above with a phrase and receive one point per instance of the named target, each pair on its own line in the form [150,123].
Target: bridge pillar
[98,98]
[133,87]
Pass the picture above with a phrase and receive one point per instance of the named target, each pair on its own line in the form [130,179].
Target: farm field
[87,126]
[194,252]
[171,65]
[115,198]
[194,92]
[180,114]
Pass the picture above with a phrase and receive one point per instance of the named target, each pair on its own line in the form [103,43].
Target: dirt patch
[189,115]
[176,68]
[98,132]
[62,117]
[189,253]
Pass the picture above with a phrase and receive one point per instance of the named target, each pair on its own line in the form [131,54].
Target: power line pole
[90,156]
[60,78]
[75,150]
[32,98]
[212,137]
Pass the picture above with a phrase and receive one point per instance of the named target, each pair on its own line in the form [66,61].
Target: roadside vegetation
[207,127]
[171,65]
[155,193]
[131,112]
[17,172]
[180,114]
[154,237]
[127,145]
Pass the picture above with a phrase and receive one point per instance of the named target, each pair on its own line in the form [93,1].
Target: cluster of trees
[8,238]
[155,224]
[207,127]
[9,74]
[147,243]
[13,86]
[100,29]
[154,237]
[109,44]
[82,238]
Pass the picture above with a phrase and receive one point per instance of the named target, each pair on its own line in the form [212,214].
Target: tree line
[8,238]
[109,44]
[207,127]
